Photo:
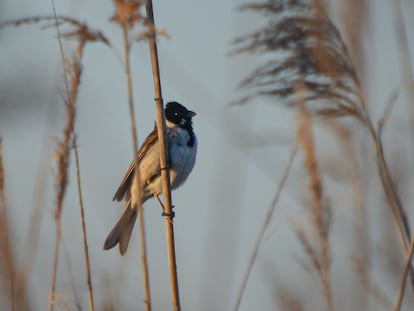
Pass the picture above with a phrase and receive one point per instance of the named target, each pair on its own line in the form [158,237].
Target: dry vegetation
[315,69]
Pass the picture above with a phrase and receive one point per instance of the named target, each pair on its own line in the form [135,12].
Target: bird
[182,150]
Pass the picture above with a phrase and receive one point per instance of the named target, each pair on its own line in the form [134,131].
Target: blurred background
[243,152]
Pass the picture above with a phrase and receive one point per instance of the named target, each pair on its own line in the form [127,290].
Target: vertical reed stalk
[391,195]
[85,239]
[127,67]
[63,158]
[318,211]
[407,266]
[165,172]
[407,79]
[140,210]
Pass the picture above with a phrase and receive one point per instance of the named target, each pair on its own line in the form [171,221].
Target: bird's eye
[176,113]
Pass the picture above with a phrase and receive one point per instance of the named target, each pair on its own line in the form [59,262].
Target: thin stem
[390,192]
[407,78]
[85,239]
[407,267]
[63,148]
[61,177]
[62,151]
[129,87]
[140,210]
[263,229]
[165,173]
[55,263]
[145,270]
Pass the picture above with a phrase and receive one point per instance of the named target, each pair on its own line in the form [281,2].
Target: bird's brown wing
[127,180]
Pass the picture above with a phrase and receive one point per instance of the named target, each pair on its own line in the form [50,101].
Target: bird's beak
[191,114]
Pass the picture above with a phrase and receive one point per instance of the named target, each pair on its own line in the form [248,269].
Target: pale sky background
[242,154]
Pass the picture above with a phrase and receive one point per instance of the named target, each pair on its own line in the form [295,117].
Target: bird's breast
[182,156]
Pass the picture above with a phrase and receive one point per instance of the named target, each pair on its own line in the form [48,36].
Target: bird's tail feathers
[121,233]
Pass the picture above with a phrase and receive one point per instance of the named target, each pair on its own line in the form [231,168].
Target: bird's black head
[179,115]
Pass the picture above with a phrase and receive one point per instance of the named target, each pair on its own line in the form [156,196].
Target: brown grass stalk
[140,210]
[406,79]
[316,50]
[127,68]
[390,192]
[62,153]
[165,173]
[62,159]
[318,211]
[263,229]
[83,34]
[85,238]
[406,270]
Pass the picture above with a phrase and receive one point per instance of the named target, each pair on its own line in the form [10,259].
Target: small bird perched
[182,150]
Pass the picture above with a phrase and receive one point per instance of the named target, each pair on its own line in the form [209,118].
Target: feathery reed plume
[83,35]
[301,46]
[165,172]
[85,239]
[304,48]
[62,157]
[80,30]
[127,15]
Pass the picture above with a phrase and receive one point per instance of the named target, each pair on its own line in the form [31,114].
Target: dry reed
[407,79]
[84,235]
[83,34]
[165,173]
[62,155]
[329,86]
[127,15]
[319,211]
[72,76]
[307,50]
